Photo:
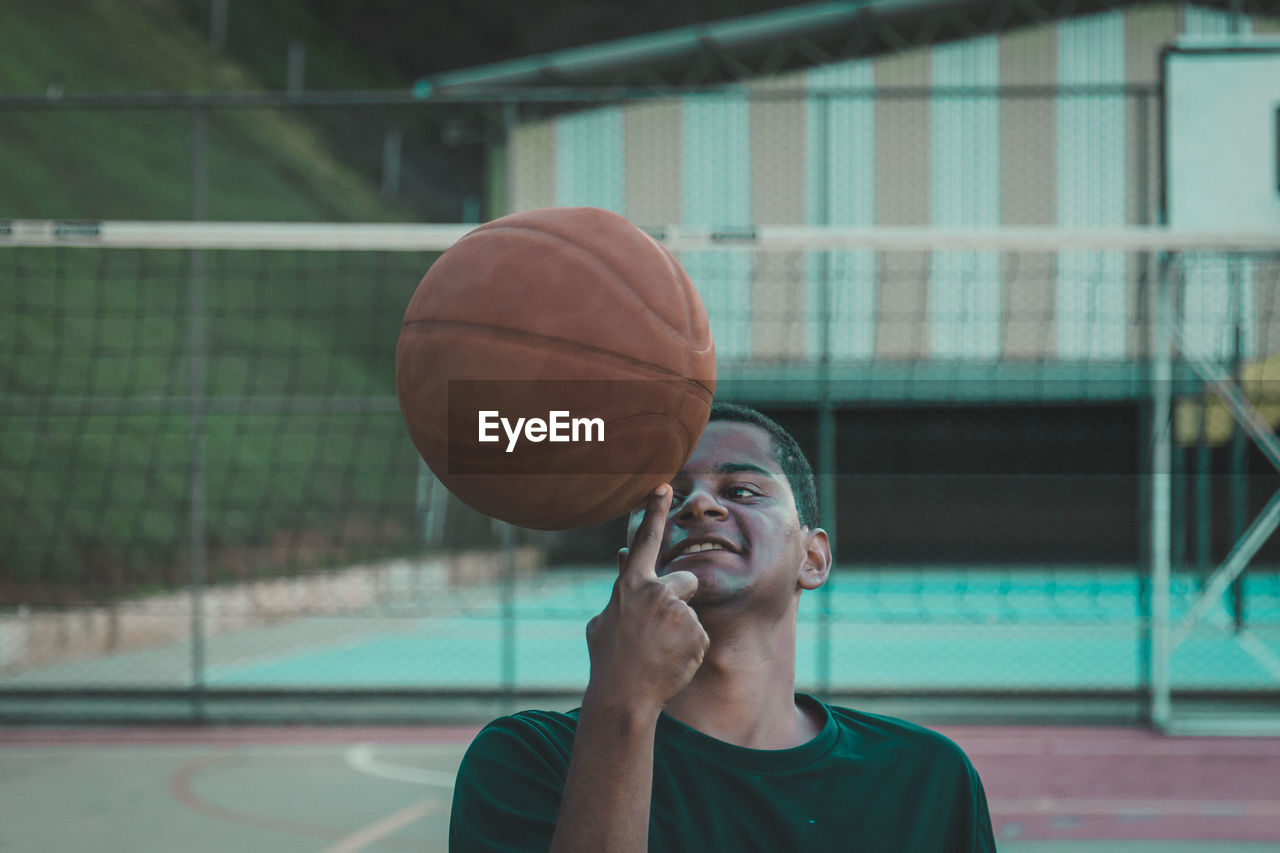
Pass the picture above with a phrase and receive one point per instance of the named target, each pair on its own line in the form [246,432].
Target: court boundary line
[380,829]
[360,757]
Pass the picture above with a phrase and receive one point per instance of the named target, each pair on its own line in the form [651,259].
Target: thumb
[683,584]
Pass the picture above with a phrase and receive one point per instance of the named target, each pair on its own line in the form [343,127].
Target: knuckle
[647,534]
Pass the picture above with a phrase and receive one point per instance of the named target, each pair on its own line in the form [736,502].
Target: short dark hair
[786,451]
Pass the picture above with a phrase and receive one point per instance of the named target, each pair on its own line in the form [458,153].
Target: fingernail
[660,491]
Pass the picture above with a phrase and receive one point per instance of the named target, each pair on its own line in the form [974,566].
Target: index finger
[642,556]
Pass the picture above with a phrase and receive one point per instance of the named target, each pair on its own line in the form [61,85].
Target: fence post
[1161,451]
[826,412]
[392,142]
[508,589]
[296,68]
[1239,476]
[218,24]
[197,523]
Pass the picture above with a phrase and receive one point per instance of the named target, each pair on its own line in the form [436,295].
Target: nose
[700,503]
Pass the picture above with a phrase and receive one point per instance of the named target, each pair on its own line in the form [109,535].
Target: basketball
[554,366]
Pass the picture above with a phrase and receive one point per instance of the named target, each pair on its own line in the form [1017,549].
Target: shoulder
[550,725]
[920,765]
[900,736]
[507,791]
[545,733]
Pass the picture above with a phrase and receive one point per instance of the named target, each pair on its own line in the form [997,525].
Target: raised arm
[645,647]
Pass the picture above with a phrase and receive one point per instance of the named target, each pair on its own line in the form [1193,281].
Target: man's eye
[741,492]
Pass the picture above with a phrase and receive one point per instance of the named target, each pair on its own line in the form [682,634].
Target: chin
[713,590]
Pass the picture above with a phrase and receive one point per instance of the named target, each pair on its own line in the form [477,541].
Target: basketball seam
[589,348]
[648,309]
[684,291]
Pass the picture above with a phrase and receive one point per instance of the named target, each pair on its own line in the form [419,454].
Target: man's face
[733,522]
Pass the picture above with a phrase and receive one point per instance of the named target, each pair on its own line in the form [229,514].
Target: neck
[744,692]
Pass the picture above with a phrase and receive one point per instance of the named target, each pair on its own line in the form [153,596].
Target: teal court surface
[884,629]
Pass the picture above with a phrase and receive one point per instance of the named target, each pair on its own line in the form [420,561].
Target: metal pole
[826,411]
[508,588]
[392,143]
[1236,13]
[1239,506]
[218,24]
[197,532]
[1239,481]
[508,532]
[1142,609]
[1161,451]
[1203,498]
[1179,512]
[1148,210]
[426,505]
[509,117]
[827,519]
[296,68]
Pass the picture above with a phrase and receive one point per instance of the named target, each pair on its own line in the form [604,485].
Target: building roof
[771,42]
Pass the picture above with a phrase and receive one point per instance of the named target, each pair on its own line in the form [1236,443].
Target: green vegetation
[135,164]
[95,442]
[95,446]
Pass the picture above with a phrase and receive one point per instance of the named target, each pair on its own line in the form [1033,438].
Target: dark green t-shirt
[866,783]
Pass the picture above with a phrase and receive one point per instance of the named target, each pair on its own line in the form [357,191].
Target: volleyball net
[1058,440]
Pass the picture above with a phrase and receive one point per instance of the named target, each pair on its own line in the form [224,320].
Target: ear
[817,559]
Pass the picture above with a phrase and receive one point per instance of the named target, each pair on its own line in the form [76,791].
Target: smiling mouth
[701,548]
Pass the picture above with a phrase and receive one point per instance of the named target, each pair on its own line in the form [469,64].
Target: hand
[647,643]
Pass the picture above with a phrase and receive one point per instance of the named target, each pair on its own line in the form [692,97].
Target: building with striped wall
[1048,123]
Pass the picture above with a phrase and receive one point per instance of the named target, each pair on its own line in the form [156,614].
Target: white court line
[360,757]
[379,830]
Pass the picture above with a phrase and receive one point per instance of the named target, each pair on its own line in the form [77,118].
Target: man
[690,735]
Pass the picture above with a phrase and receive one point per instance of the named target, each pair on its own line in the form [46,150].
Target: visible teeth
[703,546]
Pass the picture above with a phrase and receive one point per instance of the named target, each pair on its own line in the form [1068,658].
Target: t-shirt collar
[676,734]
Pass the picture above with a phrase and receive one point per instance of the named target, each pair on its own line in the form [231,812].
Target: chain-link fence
[208,490]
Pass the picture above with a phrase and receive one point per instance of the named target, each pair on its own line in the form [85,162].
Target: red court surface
[342,789]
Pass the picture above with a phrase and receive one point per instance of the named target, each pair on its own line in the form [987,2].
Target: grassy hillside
[135,164]
[95,438]
[96,500]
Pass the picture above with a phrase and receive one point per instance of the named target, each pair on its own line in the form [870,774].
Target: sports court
[352,789]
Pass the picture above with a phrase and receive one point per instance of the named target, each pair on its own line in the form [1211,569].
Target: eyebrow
[738,468]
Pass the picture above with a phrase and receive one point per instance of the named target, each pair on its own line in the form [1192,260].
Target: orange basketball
[554,366]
